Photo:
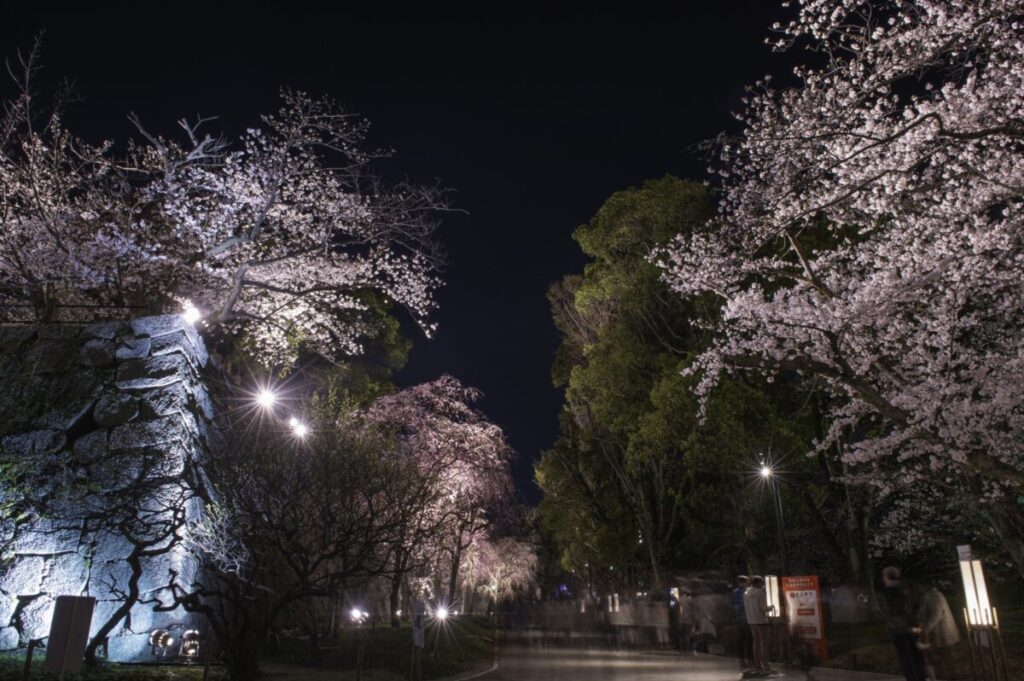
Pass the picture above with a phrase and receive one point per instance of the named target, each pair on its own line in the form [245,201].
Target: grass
[460,645]
[866,647]
[11,667]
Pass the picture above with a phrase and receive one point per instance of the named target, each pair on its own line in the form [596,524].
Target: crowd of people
[919,622]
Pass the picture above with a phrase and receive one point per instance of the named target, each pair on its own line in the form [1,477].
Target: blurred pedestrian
[739,613]
[687,623]
[939,632]
[755,602]
[705,633]
[901,620]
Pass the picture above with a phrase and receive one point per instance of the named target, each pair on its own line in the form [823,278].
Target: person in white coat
[755,602]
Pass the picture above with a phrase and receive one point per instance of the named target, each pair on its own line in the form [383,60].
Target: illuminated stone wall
[96,412]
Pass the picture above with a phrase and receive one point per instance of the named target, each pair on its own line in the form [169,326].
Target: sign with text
[803,613]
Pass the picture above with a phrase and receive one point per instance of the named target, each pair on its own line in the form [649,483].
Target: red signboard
[803,613]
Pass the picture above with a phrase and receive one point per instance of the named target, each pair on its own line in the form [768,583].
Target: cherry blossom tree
[870,241]
[276,236]
[465,456]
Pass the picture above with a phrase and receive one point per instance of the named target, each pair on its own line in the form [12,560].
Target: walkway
[563,664]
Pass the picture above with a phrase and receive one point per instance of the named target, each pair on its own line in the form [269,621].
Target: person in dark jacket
[901,620]
[739,612]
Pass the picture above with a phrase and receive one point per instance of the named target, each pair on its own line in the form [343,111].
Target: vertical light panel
[970,592]
[771,583]
[984,609]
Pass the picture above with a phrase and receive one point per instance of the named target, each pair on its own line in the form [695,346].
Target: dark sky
[532,117]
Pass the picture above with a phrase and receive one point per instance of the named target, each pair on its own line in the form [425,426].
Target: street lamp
[768,475]
[266,398]
[298,428]
[441,613]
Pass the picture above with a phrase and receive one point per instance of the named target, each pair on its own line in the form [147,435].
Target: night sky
[533,118]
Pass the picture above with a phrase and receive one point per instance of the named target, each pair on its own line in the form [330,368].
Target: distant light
[442,613]
[299,429]
[266,398]
[191,313]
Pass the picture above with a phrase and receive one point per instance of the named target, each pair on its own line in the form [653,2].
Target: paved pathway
[566,664]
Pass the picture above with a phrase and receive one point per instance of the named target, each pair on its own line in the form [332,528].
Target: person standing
[901,620]
[739,612]
[419,641]
[755,602]
[938,630]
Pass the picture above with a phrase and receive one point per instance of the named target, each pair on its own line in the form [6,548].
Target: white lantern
[979,611]
[773,596]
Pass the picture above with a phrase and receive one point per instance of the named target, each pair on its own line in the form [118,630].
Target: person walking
[755,602]
[739,612]
[901,620]
[938,631]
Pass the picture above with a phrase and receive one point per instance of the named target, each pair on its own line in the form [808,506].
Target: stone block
[164,401]
[129,646]
[204,403]
[67,415]
[109,578]
[152,372]
[66,573]
[34,443]
[98,352]
[160,325]
[103,611]
[188,344]
[110,548]
[90,447]
[133,348]
[52,356]
[107,330]
[114,409]
[35,615]
[8,602]
[9,638]
[24,577]
[145,434]
[45,539]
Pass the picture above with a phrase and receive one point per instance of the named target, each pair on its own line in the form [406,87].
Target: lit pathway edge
[565,664]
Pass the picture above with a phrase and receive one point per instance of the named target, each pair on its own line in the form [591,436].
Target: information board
[803,613]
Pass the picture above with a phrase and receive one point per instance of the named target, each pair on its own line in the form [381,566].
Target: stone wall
[109,424]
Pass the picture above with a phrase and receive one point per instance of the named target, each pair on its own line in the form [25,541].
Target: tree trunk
[1007,519]
[395,599]
[131,598]
[453,577]
[242,656]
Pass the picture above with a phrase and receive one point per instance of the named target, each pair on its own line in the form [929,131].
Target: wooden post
[27,669]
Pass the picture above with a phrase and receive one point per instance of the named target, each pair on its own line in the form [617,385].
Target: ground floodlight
[160,640]
[190,644]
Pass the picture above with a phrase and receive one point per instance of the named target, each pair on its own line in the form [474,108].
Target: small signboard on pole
[803,613]
[69,632]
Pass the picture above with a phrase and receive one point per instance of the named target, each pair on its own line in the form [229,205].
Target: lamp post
[768,475]
[982,620]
